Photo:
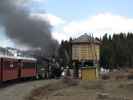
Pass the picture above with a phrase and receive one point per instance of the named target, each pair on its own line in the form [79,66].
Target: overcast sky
[71,18]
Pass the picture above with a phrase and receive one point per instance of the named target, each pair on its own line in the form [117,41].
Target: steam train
[12,68]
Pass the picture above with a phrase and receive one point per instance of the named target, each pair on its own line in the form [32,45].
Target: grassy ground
[84,90]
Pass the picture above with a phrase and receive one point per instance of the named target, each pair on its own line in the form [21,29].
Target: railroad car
[12,68]
[28,67]
[9,68]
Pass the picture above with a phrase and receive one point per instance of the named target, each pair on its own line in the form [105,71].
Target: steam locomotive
[12,68]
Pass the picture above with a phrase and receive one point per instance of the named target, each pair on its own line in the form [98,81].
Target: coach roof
[18,57]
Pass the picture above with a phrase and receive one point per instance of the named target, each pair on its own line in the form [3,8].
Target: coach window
[28,65]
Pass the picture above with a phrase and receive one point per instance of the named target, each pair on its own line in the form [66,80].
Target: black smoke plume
[24,29]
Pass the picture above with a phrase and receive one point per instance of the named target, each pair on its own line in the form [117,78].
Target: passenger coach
[28,67]
[9,68]
[17,67]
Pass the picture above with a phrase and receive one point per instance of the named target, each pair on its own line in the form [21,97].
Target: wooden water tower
[85,56]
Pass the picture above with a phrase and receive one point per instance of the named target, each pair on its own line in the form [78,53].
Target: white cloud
[100,24]
[54,20]
[6,43]
[60,36]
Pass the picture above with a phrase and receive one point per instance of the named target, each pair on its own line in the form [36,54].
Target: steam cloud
[24,29]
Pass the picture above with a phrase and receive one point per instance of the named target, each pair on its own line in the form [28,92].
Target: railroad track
[14,82]
[21,89]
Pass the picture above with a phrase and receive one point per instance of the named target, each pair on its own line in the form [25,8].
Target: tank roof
[85,38]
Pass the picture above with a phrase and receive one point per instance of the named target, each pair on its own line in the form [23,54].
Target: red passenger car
[17,67]
[9,68]
[28,68]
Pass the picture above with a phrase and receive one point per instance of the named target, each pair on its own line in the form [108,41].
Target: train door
[9,69]
[19,69]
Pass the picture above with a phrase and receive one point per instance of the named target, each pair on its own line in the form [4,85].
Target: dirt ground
[20,90]
[85,90]
[69,90]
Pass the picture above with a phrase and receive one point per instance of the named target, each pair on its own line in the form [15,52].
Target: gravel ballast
[21,90]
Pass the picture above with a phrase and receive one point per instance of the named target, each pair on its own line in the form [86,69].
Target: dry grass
[39,93]
[93,85]
[126,86]
[69,89]
[70,81]
[109,97]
